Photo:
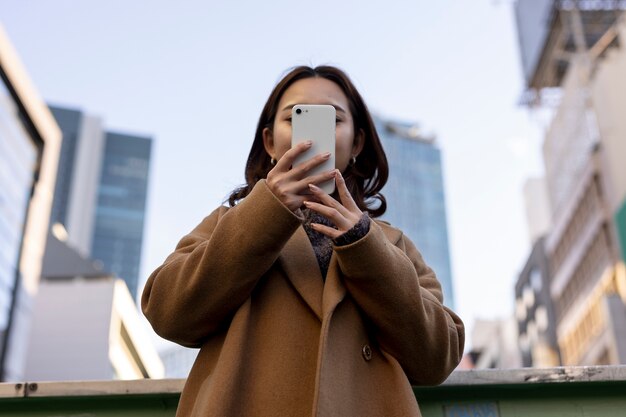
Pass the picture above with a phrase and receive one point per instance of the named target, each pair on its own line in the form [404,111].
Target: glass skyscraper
[29,145]
[121,207]
[101,192]
[18,155]
[415,195]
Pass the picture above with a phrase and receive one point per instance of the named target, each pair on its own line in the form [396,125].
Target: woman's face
[314,90]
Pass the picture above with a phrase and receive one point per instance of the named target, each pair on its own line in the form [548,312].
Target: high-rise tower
[415,195]
[101,192]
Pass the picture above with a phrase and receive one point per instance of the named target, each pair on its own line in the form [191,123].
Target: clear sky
[195,74]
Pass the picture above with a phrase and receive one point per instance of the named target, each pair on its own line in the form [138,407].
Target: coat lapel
[334,290]
[300,264]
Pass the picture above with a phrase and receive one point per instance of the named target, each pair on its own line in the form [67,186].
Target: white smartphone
[315,122]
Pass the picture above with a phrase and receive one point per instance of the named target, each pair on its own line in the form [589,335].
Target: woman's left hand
[343,213]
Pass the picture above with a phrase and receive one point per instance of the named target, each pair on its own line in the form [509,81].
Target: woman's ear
[359,142]
[268,142]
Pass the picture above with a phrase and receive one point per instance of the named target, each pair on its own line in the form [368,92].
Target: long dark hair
[364,179]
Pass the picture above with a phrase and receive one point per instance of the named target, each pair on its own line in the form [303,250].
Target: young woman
[301,303]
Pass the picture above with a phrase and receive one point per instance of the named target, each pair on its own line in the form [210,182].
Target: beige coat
[276,340]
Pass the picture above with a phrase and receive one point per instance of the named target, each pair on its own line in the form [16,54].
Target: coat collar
[300,264]
[334,289]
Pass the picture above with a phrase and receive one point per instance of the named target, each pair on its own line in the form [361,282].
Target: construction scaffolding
[552,33]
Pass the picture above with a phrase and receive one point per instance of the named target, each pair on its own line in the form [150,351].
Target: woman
[301,303]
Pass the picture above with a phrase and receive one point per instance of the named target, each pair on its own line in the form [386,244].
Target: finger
[286,161]
[344,193]
[325,230]
[303,168]
[331,213]
[328,200]
[317,179]
[302,188]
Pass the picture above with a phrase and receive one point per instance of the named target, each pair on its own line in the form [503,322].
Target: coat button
[367,352]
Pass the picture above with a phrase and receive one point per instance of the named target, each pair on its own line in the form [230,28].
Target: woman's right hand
[291,186]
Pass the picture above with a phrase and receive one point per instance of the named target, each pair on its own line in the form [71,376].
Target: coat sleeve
[402,298]
[215,267]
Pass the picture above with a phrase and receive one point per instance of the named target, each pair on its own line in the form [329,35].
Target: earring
[272,161]
[353,160]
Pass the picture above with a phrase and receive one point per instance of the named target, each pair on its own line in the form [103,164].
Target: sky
[195,74]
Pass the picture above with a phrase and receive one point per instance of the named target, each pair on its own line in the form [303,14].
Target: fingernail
[313,187]
[308,143]
[306,203]
[326,155]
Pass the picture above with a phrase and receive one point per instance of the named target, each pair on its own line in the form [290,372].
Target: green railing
[598,391]
[157,398]
[555,392]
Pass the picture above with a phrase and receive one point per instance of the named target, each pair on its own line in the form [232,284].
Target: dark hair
[364,179]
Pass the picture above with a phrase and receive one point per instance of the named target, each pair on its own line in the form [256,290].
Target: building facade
[78,178]
[102,191]
[86,325]
[494,344]
[121,206]
[29,151]
[534,308]
[415,195]
[534,311]
[581,53]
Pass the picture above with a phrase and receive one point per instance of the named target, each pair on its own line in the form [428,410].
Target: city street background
[194,75]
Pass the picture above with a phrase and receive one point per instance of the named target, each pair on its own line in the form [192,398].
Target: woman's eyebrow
[336,106]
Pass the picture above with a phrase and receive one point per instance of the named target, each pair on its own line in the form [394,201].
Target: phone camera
[298,111]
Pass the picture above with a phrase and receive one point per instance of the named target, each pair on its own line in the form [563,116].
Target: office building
[121,206]
[534,311]
[78,178]
[86,325]
[494,344]
[30,143]
[415,195]
[102,191]
[579,50]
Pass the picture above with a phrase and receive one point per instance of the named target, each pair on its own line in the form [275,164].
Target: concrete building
[78,178]
[534,311]
[101,192]
[86,325]
[494,344]
[30,142]
[415,195]
[580,52]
